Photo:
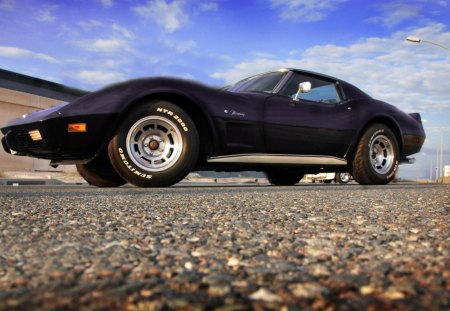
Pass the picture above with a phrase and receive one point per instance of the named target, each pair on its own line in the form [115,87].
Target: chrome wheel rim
[381,154]
[154,143]
[345,177]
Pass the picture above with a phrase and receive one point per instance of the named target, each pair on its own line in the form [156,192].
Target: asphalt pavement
[327,247]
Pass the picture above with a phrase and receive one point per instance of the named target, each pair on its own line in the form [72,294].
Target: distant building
[21,94]
[447,171]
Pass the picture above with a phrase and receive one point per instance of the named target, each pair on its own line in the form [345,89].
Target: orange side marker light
[77,128]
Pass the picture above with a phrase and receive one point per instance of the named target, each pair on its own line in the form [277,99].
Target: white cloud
[305,10]
[108,45]
[185,46]
[119,39]
[122,31]
[98,77]
[412,77]
[225,58]
[179,47]
[209,6]
[107,59]
[7,5]
[394,13]
[89,25]
[106,3]
[153,60]
[46,14]
[187,76]
[114,63]
[170,16]
[14,52]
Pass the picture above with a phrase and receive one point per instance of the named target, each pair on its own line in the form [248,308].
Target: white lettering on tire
[176,117]
[393,171]
[374,135]
[131,168]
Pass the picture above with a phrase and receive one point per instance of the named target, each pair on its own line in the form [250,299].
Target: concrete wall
[14,104]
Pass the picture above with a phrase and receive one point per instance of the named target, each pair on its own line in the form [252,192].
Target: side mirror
[303,87]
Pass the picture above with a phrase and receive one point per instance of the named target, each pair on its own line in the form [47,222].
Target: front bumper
[36,139]
[45,135]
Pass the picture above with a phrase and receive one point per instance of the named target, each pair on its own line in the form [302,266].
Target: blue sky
[92,43]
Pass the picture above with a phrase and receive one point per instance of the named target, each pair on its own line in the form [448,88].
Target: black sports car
[153,132]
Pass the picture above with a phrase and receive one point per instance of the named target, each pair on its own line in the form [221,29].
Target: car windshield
[259,83]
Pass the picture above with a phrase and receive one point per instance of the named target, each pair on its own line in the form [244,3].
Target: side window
[322,91]
[324,94]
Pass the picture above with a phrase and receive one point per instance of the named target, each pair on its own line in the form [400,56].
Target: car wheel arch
[202,120]
[389,122]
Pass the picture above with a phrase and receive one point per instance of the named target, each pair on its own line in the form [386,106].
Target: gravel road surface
[228,248]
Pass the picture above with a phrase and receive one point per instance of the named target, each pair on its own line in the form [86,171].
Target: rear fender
[383,119]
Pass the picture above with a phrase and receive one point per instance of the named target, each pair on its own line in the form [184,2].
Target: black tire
[376,158]
[99,172]
[156,145]
[342,178]
[283,177]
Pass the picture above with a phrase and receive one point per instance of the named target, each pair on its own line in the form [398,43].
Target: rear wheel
[157,145]
[376,157]
[283,177]
[99,172]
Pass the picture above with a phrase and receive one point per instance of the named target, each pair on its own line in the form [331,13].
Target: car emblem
[234,113]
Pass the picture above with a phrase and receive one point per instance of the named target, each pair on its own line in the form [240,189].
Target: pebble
[193,239]
[233,261]
[189,266]
[367,290]
[21,281]
[146,293]
[307,290]
[265,295]
[319,270]
[219,290]
[393,294]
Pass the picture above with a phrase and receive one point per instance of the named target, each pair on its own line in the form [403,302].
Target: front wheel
[157,145]
[376,158]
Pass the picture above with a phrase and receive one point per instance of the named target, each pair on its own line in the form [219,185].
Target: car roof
[308,72]
[349,90]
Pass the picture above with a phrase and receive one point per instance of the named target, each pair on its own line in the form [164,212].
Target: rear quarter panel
[370,111]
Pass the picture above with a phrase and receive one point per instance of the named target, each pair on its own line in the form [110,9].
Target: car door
[239,122]
[320,123]
[239,112]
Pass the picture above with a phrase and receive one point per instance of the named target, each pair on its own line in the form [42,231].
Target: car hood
[36,116]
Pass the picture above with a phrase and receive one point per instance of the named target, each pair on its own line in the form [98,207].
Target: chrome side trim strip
[278,159]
